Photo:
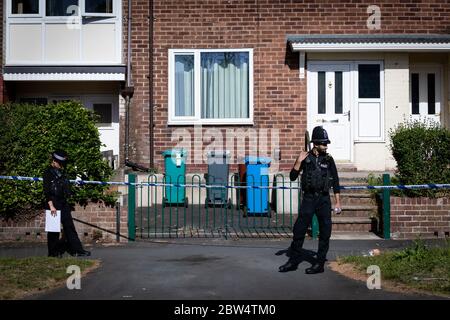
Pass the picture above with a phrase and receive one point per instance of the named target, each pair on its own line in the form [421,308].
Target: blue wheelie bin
[257,175]
[175,173]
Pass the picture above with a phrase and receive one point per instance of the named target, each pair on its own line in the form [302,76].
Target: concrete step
[353,235]
[353,224]
[356,208]
[345,167]
[356,201]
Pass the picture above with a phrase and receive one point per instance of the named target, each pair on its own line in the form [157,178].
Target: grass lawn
[21,277]
[418,267]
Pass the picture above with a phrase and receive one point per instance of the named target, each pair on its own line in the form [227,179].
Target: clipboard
[52,223]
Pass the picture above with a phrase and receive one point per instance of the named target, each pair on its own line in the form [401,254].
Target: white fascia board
[63,77]
[372,47]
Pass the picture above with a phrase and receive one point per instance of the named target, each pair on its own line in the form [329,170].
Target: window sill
[97,15]
[228,122]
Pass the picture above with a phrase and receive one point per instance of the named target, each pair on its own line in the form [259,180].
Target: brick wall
[279,94]
[98,215]
[139,110]
[414,217]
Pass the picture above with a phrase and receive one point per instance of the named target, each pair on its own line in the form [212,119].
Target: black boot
[315,268]
[288,266]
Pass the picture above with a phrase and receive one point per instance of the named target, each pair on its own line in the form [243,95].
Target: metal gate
[155,219]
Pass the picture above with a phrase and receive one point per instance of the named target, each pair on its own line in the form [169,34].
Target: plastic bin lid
[218,153]
[174,152]
[258,160]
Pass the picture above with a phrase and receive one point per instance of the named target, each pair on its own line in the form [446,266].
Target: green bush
[28,135]
[422,151]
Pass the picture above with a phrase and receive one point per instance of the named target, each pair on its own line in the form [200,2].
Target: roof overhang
[64,73]
[370,43]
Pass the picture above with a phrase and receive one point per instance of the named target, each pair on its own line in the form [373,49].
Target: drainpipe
[127,93]
[150,83]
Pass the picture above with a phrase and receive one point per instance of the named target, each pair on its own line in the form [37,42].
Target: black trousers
[319,204]
[70,241]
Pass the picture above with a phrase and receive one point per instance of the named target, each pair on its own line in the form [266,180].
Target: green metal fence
[150,217]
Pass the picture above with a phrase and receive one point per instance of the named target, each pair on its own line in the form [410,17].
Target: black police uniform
[57,189]
[319,173]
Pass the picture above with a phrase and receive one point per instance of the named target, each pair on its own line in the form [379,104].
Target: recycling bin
[175,173]
[257,175]
[218,170]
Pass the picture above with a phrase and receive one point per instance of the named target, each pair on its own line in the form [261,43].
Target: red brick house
[265,70]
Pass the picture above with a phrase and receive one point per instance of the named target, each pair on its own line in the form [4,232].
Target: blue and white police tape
[200,185]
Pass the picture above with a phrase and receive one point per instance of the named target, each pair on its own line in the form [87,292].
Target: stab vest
[316,174]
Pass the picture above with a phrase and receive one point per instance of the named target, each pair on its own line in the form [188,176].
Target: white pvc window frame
[196,119]
[428,68]
[42,20]
[81,12]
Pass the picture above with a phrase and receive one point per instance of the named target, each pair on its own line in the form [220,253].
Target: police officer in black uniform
[57,190]
[319,173]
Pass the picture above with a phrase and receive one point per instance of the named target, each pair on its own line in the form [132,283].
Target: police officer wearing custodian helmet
[319,173]
[57,191]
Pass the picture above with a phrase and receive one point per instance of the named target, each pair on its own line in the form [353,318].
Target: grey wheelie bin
[218,170]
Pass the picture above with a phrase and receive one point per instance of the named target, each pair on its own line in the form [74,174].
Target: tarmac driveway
[214,269]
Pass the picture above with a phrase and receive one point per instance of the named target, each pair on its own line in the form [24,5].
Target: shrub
[28,135]
[422,151]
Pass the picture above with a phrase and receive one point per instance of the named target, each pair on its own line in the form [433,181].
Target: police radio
[307,142]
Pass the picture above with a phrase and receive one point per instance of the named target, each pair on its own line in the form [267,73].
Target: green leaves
[422,151]
[28,135]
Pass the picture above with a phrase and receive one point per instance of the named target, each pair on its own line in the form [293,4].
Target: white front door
[107,107]
[329,105]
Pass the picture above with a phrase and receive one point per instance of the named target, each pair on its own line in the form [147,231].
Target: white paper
[52,223]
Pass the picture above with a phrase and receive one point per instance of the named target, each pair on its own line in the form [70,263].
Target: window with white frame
[61,8]
[210,86]
[425,91]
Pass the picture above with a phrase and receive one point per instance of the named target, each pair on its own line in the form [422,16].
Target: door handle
[347,114]
[323,120]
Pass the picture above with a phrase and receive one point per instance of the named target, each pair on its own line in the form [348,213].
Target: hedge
[28,135]
[422,151]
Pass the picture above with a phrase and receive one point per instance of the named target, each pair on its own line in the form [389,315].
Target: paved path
[211,269]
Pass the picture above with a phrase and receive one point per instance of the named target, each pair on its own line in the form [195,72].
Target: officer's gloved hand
[337,210]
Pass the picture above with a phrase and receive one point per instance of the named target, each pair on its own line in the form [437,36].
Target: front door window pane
[338,92]
[321,93]
[104,111]
[369,81]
